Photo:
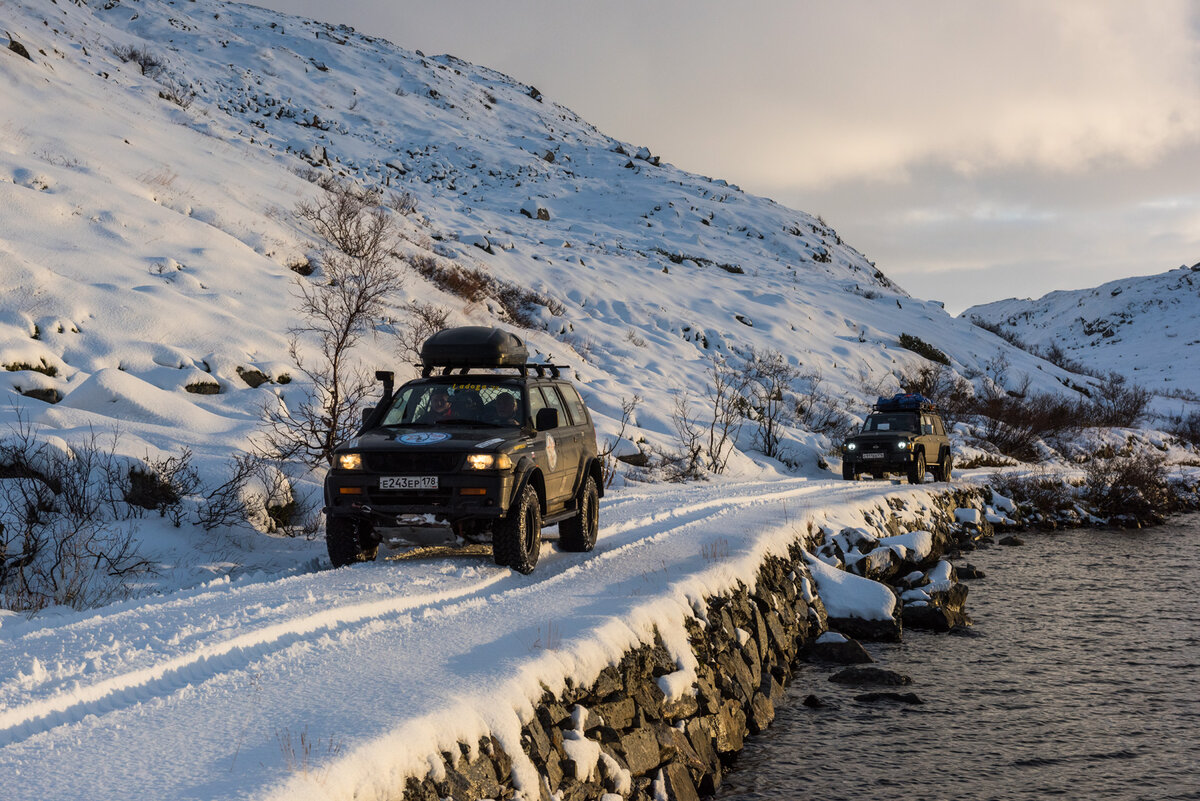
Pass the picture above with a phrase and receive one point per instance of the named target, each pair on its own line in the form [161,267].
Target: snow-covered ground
[336,684]
[152,157]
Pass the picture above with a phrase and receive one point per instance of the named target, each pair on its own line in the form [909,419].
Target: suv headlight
[850,446]
[350,461]
[902,445]
[488,461]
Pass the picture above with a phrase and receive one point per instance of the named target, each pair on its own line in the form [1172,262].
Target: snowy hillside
[1145,328]
[153,157]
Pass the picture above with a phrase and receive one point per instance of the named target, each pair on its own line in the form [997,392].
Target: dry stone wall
[621,735]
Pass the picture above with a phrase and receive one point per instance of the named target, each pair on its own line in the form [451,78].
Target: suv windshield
[476,399]
[892,421]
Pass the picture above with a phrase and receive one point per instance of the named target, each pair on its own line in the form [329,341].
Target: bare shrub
[473,285]
[403,203]
[161,485]
[177,92]
[423,320]
[338,312]
[608,462]
[1041,492]
[1118,402]
[59,542]
[1128,485]
[1015,424]
[687,464]
[769,377]
[146,60]
[225,504]
[707,443]
[821,411]
[952,393]
[1187,428]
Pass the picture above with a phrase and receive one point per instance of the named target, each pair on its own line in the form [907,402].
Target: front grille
[401,463]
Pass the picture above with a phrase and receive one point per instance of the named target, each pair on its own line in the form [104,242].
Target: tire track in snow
[215,658]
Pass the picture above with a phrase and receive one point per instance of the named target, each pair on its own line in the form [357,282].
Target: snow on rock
[913,546]
[848,596]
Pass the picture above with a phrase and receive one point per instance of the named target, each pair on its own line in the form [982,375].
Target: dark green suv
[903,434]
[484,447]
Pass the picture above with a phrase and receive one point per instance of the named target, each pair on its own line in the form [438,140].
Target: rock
[762,712]
[906,698]
[44,395]
[890,630]
[18,48]
[870,675]
[254,378]
[731,727]
[640,748]
[968,571]
[679,784]
[1011,539]
[844,652]
[813,702]
[204,388]
[617,714]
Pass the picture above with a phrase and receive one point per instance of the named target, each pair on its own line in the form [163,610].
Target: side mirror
[366,414]
[547,419]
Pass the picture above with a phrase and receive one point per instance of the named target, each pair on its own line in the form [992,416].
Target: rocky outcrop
[645,728]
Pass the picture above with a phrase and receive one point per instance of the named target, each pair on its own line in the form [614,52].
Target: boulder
[870,675]
[836,649]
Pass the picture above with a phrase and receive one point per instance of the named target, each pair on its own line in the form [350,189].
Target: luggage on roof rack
[905,402]
[477,346]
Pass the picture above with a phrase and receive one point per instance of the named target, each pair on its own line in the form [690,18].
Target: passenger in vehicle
[439,407]
[503,410]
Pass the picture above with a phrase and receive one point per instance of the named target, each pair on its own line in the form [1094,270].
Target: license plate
[872,456]
[408,482]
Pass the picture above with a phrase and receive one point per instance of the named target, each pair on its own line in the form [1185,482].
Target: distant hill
[1145,328]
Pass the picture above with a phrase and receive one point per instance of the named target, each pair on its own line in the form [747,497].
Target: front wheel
[578,533]
[848,471]
[916,473]
[348,542]
[517,538]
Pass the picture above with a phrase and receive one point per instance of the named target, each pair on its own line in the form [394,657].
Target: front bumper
[459,496]
[878,460]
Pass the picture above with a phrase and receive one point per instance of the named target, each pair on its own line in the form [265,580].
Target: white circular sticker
[551,452]
[424,437]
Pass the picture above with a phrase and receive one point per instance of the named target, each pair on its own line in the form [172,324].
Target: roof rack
[905,402]
[523,369]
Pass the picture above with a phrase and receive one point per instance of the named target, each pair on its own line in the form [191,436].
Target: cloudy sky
[974,150]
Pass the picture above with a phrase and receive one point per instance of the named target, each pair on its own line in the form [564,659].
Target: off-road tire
[848,472]
[944,470]
[916,472]
[578,533]
[517,538]
[348,543]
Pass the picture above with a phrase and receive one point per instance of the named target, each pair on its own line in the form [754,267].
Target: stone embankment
[632,732]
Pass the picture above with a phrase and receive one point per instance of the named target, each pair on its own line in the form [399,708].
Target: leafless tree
[608,462]
[336,311]
[769,386]
[421,321]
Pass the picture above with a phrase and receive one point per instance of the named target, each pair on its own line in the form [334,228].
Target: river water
[1080,680]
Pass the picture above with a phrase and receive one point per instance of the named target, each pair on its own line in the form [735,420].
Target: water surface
[1081,679]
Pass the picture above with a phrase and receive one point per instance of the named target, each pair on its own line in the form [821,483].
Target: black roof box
[473,346]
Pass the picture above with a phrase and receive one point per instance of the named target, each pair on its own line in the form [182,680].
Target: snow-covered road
[336,683]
